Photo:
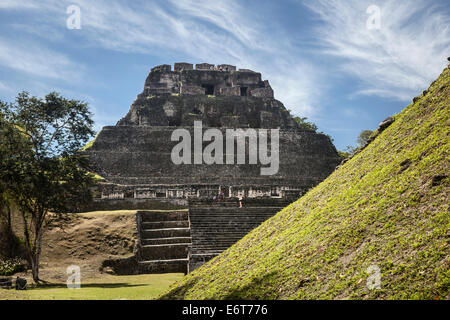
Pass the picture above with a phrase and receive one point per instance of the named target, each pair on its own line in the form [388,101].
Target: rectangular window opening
[209,89]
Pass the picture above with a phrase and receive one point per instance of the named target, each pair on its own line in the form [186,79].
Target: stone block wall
[230,91]
[266,92]
[223,79]
[226,67]
[135,155]
[192,90]
[204,66]
[180,66]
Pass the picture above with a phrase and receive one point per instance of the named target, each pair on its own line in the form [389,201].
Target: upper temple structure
[134,156]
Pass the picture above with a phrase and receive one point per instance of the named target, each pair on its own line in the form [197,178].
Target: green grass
[140,287]
[383,207]
[90,144]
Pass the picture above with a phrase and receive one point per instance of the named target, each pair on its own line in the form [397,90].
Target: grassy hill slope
[387,206]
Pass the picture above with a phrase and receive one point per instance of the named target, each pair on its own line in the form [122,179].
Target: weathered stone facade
[134,156]
[206,78]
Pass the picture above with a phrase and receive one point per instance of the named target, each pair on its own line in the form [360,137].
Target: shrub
[9,267]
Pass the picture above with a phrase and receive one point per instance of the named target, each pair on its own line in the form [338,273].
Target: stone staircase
[164,241]
[217,226]
[181,241]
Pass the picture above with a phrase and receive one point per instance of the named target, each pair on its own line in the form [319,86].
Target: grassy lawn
[107,287]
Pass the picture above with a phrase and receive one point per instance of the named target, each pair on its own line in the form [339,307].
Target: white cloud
[201,31]
[396,61]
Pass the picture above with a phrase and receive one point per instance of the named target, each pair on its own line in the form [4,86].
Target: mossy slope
[387,206]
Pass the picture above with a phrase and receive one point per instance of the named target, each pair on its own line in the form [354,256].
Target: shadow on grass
[178,293]
[258,288]
[88,285]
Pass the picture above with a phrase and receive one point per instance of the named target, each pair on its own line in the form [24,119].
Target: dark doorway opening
[243,91]
[209,89]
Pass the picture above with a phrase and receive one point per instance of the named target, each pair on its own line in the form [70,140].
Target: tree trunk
[37,248]
[33,238]
[11,239]
[33,259]
[35,268]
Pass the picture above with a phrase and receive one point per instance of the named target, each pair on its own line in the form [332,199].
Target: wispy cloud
[199,31]
[6,88]
[399,59]
[36,60]
[396,61]
[14,4]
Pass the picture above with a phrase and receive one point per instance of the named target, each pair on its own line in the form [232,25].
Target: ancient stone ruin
[134,156]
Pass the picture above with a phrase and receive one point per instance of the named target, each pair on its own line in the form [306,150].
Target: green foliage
[344,154]
[304,124]
[363,137]
[40,160]
[347,152]
[383,207]
[8,267]
[308,125]
[89,144]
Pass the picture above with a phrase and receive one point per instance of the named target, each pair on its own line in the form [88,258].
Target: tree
[347,152]
[304,124]
[308,125]
[6,199]
[41,165]
[364,137]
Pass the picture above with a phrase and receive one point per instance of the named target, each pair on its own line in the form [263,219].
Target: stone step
[206,252]
[208,242]
[214,237]
[217,242]
[164,251]
[207,249]
[216,233]
[223,219]
[163,266]
[214,244]
[170,240]
[165,233]
[165,224]
[156,216]
[226,226]
[207,216]
[212,203]
[213,234]
[236,209]
[196,216]
[221,231]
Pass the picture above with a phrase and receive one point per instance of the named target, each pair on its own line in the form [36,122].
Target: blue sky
[320,57]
